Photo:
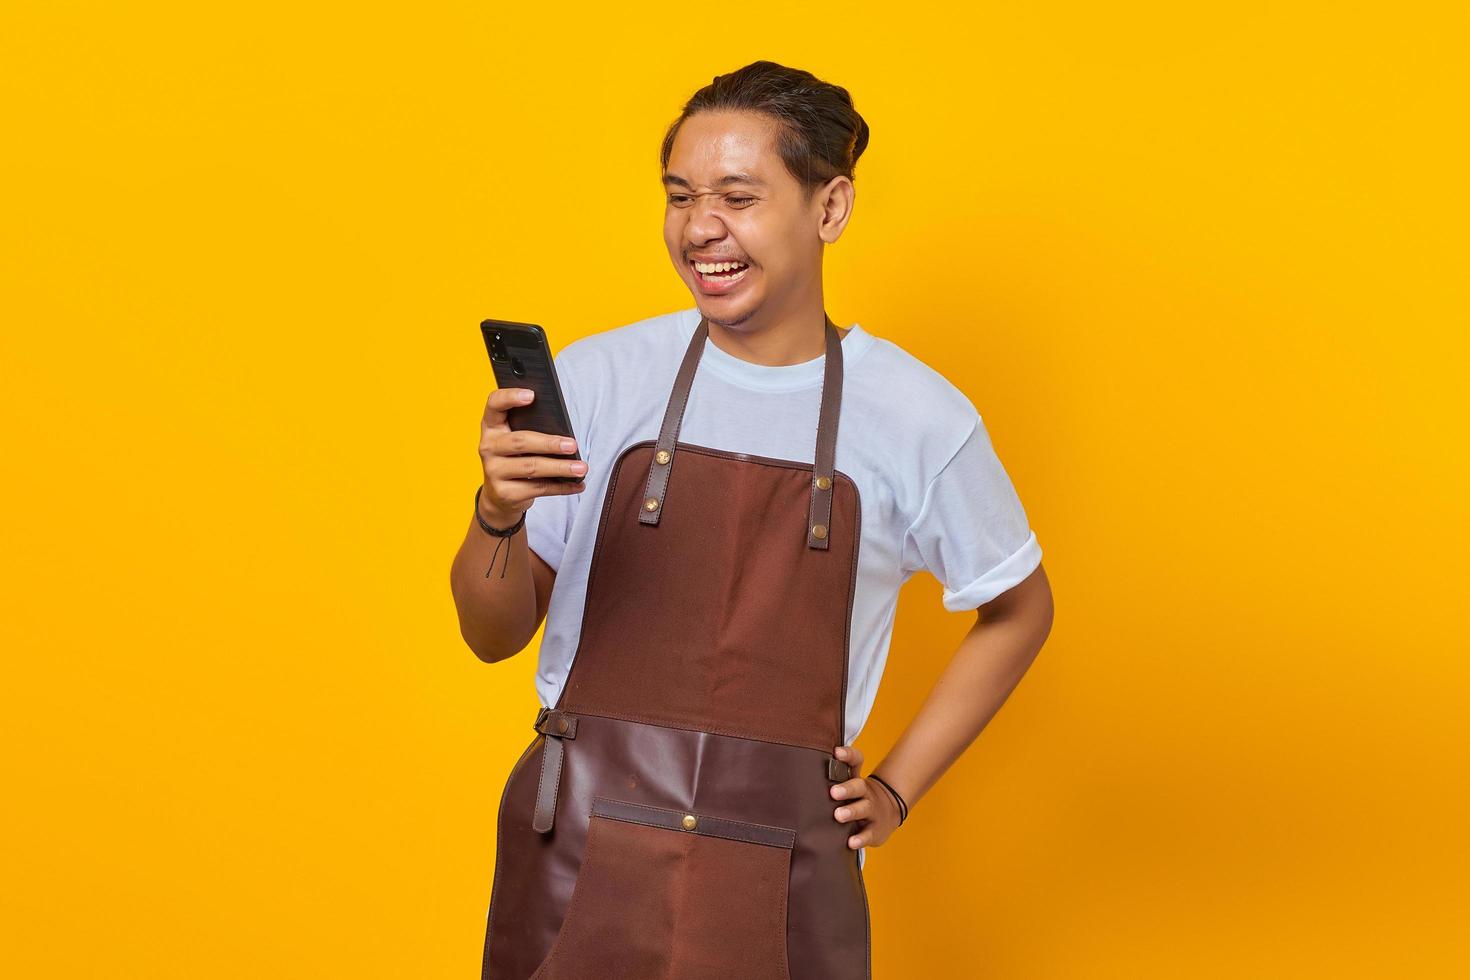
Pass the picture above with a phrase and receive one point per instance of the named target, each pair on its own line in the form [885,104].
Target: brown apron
[671,818]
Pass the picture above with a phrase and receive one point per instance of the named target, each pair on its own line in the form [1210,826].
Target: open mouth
[719,273]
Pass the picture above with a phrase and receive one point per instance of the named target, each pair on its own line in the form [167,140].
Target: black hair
[819,134]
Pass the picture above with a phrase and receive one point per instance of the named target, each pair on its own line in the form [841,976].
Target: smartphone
[521,358]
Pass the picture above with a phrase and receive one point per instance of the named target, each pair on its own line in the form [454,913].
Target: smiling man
[719,588]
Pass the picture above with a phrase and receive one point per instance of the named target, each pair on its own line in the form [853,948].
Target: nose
[704,224]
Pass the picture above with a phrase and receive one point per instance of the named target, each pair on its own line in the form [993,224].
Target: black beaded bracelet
[499,532]
[903,808]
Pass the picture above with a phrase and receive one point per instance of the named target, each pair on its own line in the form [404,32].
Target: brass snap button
[663,456]
[819,530]
[562,725]
[689,822]
[823,482]
[651,504]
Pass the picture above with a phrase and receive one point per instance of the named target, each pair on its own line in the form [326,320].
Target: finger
[520,491]
[858,840]
[850,754]
[523,441]
[850,789]
[556,487]
[860,810]
[536,467]
[502,400]
[531,489]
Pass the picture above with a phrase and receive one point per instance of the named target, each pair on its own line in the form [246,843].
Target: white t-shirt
[933,493]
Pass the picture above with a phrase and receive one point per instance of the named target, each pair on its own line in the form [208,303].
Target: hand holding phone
[526,442]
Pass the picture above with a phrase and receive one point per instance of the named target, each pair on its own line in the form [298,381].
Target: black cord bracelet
[903,808]
[500,532]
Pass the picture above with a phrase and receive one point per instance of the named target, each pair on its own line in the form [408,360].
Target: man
[719,608]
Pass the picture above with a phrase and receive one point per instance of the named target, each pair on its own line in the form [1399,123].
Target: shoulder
[929,415]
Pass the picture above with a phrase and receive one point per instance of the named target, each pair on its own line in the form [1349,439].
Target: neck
[778,339]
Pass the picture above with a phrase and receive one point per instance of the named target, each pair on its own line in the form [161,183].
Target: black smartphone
[521,358]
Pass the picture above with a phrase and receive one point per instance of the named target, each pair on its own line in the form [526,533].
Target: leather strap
[556,725]
[824,465]
[837,770]
[824,459]
[668,433]
[695,823]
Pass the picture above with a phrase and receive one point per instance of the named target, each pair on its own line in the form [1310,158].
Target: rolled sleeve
[971,532]
[1012,571]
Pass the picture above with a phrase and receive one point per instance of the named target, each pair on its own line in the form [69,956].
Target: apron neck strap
[824,461]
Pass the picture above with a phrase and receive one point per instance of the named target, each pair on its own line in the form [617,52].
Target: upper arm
[544,578]
[1030,598]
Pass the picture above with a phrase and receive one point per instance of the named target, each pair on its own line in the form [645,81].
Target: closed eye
[680,200]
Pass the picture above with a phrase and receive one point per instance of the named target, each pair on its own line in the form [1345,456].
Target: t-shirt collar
[775,377]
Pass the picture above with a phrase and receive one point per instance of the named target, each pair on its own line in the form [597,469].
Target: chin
[726,314]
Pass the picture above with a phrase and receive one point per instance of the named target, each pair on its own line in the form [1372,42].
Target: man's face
[731,199]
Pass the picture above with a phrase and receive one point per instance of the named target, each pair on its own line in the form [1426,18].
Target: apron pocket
[666,893]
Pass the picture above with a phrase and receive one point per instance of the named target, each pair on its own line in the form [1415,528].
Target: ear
[833,203]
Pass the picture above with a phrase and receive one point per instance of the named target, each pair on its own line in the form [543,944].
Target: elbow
[483,653]
[486,650]
[491,646]
[477,628]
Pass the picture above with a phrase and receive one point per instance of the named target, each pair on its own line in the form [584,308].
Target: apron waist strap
[557,725]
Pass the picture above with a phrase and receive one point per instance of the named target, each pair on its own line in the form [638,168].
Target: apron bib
[671,819]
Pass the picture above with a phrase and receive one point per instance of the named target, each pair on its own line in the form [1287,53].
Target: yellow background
[1203,271]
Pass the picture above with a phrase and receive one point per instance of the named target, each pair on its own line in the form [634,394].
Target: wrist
[496,517]
[898,801]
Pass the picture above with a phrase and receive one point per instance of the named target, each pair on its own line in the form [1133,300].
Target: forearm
[497,615]
[985,669]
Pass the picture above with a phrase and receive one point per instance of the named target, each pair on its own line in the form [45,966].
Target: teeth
[708,267]
[727,277]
